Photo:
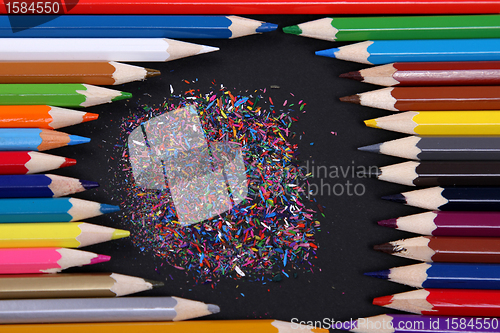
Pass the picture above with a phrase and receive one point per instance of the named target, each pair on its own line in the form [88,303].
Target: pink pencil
[45,260]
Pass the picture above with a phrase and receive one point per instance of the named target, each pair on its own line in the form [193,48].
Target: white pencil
[97,49]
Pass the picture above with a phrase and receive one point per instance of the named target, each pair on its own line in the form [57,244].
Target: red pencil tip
[391,223]
[89,117]
[382,301]
[100,258]
[68,162]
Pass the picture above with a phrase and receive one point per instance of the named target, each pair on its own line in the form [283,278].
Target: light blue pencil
[19,139]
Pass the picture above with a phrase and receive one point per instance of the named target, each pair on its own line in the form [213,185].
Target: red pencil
[192,7]
[26,162]
[447,302]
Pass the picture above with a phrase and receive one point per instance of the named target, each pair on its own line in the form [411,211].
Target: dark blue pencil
[130,26]
[444,275]
[41,186]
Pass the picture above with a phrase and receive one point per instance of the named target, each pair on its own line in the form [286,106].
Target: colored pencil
[430,98]
[299,7]
[20,139]
[45,260]
[453,73]
[448,302]
[445,249]
[51,210]
[133,26]
[399,323]
[92,72]
[41,116]
[206,326]
[441,173]
[27,162]
[41,186]
[98,49]
[67,285]
[398,27]
[437,223]
[444,275]
[85,310]
[72,235]
[442,123]
[386,51]
[64,94]
[440,148]
[451,198]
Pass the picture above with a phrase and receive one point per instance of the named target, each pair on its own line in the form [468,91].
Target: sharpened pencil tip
[68,162]
[105,208]
[213,308]
[155,284]
[266,27]
[353,76]
[399,198]
[152,72]
[351,99]
[89,117]
[382,301]
[293,29]
[371,148]
[76,140]
[386,248]
[330,53]
[100,258]
[370,174]
[87,184]
[380,274]
[118,233]
[390,223]
[371,123]
[123,95]
[207,49]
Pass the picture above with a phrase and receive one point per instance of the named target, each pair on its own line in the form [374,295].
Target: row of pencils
[446,92]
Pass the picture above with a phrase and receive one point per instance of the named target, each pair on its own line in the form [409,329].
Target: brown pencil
[451,98]
[97,72]
[445,249]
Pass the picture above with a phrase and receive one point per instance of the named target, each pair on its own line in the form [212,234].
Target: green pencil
[71,95]
[399,27]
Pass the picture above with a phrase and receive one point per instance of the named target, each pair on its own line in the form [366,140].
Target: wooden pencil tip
[386,248]
[351,99]
[89,117]
[371,123]
[382,301]
[212,308]
[399,198]
[155,284]
[68,162]
[152,72]
[353,76]
[371,148]
[390,223]
[380,274]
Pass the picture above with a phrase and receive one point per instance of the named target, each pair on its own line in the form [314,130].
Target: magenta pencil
[45,260]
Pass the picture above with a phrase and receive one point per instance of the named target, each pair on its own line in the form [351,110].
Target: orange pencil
[41,116]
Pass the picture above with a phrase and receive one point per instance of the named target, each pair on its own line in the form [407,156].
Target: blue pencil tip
[266,27]
[76,140]
[330,53]
[105,209]
[380,274]
[87,184]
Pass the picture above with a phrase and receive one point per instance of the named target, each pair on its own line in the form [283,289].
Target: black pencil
[437,173]
[439,148]
[451,198]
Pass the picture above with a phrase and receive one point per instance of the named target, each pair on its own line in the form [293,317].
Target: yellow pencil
[64,234]
[205,326]
[446,123]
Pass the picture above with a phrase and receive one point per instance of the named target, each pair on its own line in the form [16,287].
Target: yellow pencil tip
[371,123]
[117,234]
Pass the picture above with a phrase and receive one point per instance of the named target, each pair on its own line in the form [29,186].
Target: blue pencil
[41,186]
[51,210]
[16,139]
[130,26]
[444,275]
[387,51]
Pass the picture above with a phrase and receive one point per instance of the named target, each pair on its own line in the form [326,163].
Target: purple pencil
[445,223]
[402,323]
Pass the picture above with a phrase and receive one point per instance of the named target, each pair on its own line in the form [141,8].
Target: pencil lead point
[155,284]
[118,233]
[371,148]
[399,198]
[293,29]
[380,274]
[371,123]
[100,258]
[105,208]
[386,248]
[351,99]
[87,184]
[152,72]
[207,49]
[370,174]
[390,223]
[68,162]
[123,95]
[382,301]
[76,140]
[212,308]
[353,76]
[266,27]
[330,53]
[89,117]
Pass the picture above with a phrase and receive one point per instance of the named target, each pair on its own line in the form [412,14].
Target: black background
[340,290]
